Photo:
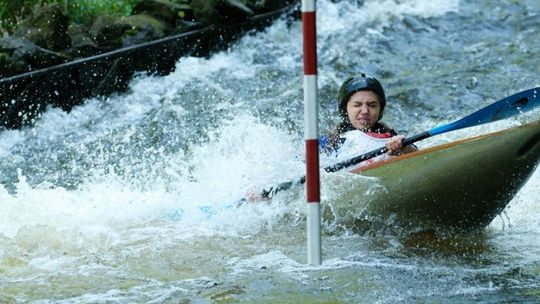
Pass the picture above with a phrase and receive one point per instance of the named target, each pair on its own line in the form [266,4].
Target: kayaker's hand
[253,196]
[395,144]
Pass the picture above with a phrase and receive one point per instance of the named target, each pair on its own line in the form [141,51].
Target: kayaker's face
[363,109]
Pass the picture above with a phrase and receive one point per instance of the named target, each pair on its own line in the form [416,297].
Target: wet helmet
[359,82]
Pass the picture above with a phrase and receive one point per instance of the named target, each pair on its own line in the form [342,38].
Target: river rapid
[130,198]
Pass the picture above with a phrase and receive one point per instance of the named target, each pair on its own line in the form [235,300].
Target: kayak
[461,185]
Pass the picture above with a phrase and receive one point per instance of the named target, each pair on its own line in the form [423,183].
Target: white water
[103,204]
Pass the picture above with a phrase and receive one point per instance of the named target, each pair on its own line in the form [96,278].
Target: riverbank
[49,59]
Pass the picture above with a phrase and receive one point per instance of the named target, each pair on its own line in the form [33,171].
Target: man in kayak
[361,105]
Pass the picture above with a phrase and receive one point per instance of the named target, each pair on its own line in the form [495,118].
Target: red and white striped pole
[311,133]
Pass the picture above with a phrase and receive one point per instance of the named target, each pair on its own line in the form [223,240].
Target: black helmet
[359,82]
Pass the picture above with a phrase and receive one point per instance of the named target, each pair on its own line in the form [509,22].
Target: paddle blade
[504,108]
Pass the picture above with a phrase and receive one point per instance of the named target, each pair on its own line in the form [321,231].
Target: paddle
[507,107]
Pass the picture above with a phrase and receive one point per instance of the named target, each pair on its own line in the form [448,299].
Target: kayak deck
[462,185]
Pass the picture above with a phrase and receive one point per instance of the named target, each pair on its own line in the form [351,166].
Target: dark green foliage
[79,11]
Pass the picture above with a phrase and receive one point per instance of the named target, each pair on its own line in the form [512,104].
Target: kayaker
[362,101]
[361,105]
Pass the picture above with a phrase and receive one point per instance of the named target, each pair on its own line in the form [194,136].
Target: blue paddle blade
[507,107]
[208,211]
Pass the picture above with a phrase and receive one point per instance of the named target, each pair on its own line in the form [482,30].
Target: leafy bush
[79,11]
[84,11]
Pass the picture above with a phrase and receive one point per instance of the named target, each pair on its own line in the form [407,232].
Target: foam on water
[377,14]
[134,194]
[224,169]
[235,157]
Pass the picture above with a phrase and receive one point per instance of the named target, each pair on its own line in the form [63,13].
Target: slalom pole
[311,134]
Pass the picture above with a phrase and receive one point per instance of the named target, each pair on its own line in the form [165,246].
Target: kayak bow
[462,185]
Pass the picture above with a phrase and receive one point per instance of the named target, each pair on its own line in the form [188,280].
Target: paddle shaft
[512,105]
[344,164]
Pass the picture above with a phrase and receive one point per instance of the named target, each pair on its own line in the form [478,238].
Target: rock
[107,31]
[47,27]
[263,6]
[41,42]
[143,28]
[220,11]
[82,45]
[158,59]
[186,12]
[9,66]
[22,55]
[165,10]
[186,26]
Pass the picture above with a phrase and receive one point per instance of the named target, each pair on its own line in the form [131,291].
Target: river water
[128,199]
